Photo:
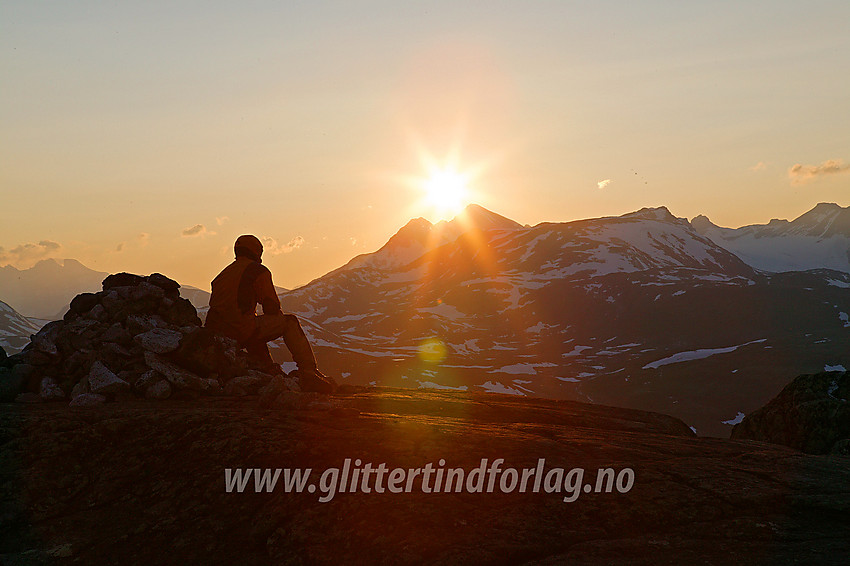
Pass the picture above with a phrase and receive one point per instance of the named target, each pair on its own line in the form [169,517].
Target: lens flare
[432,350]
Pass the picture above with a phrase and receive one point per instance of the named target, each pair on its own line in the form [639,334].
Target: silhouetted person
[236,291]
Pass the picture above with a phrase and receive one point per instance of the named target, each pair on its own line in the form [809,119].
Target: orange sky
[146,137]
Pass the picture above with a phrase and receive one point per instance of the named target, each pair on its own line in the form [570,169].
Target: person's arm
[266,294]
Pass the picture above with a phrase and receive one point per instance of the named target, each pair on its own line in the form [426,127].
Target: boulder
[117,334]
[180,312]
[81,388]
[811,414]
[102,380]
[50,390]
[45,340]
[147,379]
[139,323]
[83,303]
[159,340]
[159,390]
[122,280]
[179,377]
[170,286]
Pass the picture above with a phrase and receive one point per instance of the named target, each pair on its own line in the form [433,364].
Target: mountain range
[644,310]
[640,310]
[819,238]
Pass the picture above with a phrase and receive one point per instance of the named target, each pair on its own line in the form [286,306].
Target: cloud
[221,219]
[760,166]
[805,173]
[197,230]
[28,254]
[272,247]
[604,183]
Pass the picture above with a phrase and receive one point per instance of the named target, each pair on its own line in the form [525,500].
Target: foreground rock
[811,414]
[142,483]
[136,338]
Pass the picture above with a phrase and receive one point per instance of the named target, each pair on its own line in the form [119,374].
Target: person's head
[248,246]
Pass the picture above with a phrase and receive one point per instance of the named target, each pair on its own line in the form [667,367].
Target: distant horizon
[60,260]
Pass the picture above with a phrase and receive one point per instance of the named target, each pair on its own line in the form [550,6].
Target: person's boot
[311,379]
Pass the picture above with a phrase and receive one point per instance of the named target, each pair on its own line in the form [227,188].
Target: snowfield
[696,355]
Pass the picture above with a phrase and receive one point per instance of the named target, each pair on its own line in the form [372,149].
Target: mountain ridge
[637,310]
[818,238]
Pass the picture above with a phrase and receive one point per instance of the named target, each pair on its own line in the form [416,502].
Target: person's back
[237,291]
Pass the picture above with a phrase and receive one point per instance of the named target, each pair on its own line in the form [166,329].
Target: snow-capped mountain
[639,310]
[45,290]
[818,239]
[419,236]
[15,329]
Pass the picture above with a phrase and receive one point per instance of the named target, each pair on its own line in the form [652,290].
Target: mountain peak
[648,213]
[702,224]
[827,207]
[415,231]
[477,217]
[824,220]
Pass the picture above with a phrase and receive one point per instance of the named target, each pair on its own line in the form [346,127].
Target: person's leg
[259,350]
[286,326]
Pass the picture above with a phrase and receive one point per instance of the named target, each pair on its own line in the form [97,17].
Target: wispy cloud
[273,247]
[221,219]
[27,254]
[140,241]
[197,230]
[760,166]
[603,183]
[805,173]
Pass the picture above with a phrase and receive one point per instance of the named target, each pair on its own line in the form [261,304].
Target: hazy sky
[146,136]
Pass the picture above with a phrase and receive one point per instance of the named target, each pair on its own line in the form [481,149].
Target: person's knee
[287,322]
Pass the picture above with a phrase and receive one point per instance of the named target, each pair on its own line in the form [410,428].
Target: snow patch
[838,367]
[496,387]
[738,418]
[696,355]
[576,351]
[444,310]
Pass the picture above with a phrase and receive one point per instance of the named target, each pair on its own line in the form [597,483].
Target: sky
[146,136]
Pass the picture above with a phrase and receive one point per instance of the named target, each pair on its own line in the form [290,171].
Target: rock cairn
[135,339]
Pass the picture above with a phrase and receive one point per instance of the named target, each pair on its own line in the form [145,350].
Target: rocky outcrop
[135,483]
[811,414]
[135,338]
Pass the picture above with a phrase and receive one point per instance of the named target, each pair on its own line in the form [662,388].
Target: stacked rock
[136,338]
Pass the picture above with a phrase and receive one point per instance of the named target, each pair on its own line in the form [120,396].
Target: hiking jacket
[236,292]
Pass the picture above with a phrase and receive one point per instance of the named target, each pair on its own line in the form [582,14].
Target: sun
[446,191]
